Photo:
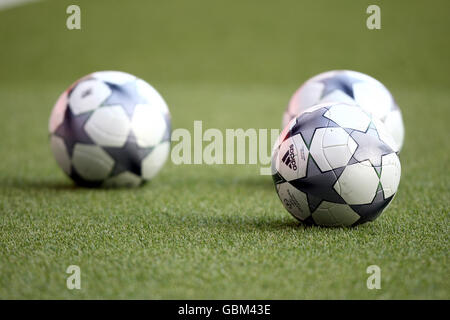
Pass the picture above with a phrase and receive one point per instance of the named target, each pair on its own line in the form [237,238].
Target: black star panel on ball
[370,147]
[71,130]
[125,95]
[318,186]
[341,82]
[129,157]
[308,123]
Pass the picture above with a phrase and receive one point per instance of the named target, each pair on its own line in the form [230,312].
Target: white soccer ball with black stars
[110,128]
[349,87]
[335,165]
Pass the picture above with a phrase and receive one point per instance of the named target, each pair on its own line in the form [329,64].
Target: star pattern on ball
[318,186]
[71,130]
[128,157]
[125,95]
[341,82]
[370,147]
[309,122]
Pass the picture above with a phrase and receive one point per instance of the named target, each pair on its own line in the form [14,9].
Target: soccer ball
[350,87]
[334,165]
[110,129]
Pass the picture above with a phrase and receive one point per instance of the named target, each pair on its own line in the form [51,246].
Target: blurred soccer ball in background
[349,87]
[110,129]
[335,165]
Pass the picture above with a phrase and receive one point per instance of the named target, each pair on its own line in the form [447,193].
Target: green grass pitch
[200,231]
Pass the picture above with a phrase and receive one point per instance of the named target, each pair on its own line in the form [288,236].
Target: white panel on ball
[334,215]
[347,116]
[148,125]
[294,200]
[335,136]
[338,147]
[358,183]
[91,162]
[390,174]
[332,148]
[88,95]
[155,160]
[109,126]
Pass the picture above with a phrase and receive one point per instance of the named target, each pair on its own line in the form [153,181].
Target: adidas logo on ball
[288,158]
